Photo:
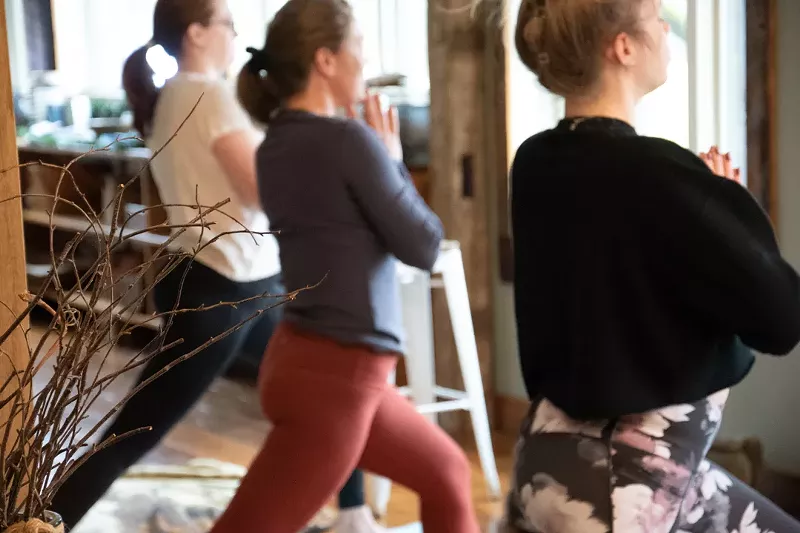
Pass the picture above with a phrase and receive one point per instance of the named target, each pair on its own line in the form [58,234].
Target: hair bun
[259,61]
[533,31]
[562,41]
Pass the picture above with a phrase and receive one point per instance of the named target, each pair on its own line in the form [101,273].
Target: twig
[42,448]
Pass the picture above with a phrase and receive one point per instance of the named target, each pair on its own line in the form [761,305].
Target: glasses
[227,22]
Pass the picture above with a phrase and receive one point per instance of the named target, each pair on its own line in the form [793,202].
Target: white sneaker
[357,520]
[322,523]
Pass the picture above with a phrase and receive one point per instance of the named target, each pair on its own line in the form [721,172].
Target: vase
[52,523]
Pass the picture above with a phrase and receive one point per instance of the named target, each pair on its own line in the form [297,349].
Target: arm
[730,269]
[232,139]
[236,154]
[388,198]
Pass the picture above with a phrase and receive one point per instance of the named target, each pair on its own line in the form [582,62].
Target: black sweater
[642,278]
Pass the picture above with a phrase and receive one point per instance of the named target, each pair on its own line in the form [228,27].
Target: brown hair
[562,41]
[171,20]
[280,70]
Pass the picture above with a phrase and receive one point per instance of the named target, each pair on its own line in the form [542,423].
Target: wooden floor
[227,425]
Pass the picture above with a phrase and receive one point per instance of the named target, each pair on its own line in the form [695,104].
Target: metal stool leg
[455,286]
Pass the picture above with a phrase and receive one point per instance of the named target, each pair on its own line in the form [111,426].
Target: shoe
[357,520]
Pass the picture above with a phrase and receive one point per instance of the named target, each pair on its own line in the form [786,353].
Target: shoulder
[534,154]
[669,165]
[333,133]
[218,97]
[354,136]
[215,110]
[631,149]
[684,181]
[190,89]
[356,133]
[535,145]
[662,150]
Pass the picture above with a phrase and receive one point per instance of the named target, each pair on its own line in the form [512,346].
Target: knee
[454,474]
[459,465]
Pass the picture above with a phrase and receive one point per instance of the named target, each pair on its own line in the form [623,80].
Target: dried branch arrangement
[43,442]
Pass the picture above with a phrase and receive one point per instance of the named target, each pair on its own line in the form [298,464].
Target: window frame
[717,87]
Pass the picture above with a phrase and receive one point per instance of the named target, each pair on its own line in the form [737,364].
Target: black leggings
[163,403]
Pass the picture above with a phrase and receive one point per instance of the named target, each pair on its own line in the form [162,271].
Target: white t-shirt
[187,172]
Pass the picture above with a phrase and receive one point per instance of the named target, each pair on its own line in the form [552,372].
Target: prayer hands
[383,119]
[720,164]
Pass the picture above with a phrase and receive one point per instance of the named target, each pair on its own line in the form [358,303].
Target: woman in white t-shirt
[211,159]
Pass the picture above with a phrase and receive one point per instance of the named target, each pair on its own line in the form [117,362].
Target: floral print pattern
[642,473]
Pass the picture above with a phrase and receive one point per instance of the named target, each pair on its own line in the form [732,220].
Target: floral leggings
[639,474]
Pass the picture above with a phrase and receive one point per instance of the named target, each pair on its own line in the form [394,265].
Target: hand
[720,164]
[385,123]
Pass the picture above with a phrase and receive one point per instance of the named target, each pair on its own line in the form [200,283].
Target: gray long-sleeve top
[345,212]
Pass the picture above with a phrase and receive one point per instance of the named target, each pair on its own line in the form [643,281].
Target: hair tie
[259,62]
[543,59]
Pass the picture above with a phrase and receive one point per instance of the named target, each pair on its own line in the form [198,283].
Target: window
[665,111]
[368,13]
[404,41]
[17,44]
[250,18]
[703,101]
[395,40]
[94,62]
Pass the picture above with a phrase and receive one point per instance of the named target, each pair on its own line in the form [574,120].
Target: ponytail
[142,93]
[280,69]
[257,92]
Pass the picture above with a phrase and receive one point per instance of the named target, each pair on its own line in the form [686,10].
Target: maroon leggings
[333,410]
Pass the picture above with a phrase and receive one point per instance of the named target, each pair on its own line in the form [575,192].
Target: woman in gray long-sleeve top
[347,211]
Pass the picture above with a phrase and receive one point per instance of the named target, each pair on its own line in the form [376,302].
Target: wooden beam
[761,94]
[13,283]
[462,152]
[497,80]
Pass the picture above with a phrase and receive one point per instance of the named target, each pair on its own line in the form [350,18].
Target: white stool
[420,364]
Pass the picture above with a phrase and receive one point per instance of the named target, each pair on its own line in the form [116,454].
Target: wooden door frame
[761,35]
[14,355]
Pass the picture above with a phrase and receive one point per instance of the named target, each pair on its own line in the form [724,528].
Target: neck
[313,100]
[618,104]
[618,110]
[197,65]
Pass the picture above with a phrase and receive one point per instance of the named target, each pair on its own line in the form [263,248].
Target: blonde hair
[562,41]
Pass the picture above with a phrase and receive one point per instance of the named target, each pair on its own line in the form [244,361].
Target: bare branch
[89,315]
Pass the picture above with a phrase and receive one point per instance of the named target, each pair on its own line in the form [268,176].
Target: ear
[623,50]
[325,62]
[196,34]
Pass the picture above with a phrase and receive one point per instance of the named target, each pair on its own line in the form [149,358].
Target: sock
[357,520]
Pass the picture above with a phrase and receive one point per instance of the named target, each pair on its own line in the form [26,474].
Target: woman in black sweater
[645,277]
